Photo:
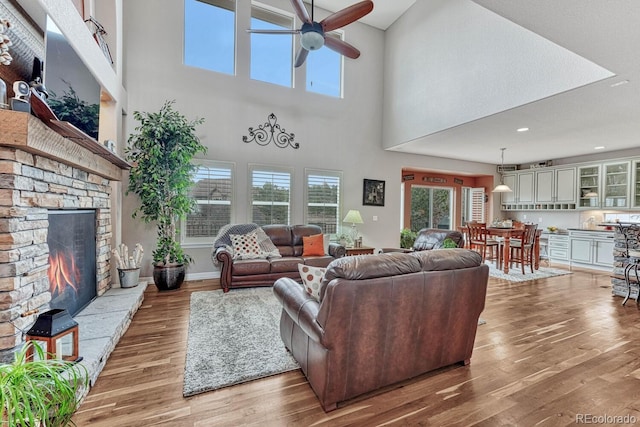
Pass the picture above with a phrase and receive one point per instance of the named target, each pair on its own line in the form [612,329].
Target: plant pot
[168,277]
[129,277]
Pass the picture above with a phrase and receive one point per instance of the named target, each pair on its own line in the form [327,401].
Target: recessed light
[599,147]
[522,129]
[620,83]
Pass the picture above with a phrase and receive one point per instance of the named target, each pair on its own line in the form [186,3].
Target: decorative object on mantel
[502,187]
[266,134]
[128,265]
[162,151]
[5,42]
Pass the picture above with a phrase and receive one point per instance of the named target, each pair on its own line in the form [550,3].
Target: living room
[355,134]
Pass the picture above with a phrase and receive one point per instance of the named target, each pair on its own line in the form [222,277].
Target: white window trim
[206,242]
[323,172]
[270,168]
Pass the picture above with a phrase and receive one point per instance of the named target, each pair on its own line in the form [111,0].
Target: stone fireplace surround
[40,170]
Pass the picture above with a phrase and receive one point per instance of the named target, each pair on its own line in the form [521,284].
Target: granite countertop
[593,229]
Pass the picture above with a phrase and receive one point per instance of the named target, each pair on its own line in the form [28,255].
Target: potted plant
[407,237]
[40,392]
[161,153]
[449,243]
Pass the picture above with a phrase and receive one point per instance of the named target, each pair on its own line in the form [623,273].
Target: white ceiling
[567,124]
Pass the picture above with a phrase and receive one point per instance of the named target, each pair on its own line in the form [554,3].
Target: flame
[62,273]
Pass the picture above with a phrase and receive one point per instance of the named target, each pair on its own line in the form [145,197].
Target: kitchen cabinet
[635,184]
[589,186]
[522,185]
[591,247]
[509,180]
[555,185]
[615,185]
[558,247]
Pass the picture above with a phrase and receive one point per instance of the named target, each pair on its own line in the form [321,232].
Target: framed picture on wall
[373,193]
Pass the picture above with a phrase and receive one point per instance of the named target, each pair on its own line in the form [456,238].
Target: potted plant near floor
[161,153]
[40,392]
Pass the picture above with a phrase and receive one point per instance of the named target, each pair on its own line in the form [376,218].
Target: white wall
[337,134]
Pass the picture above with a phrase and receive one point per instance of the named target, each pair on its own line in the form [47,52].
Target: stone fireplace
[42,172]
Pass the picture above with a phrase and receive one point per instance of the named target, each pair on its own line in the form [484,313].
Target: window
[431,207]
[324,70]
[213,192]
[271,54]
[209,34]
[270,194]
[323,199]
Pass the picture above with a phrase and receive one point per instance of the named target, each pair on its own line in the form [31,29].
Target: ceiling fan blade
[273,31]
[301,11]
[301,57]
[341,47]
[346,16]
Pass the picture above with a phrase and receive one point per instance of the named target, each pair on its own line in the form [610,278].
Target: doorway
[431,207]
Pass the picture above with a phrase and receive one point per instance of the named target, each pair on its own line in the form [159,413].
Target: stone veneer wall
[619,286]
[30,185]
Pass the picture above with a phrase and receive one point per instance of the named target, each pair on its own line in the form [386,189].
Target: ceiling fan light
[311,40]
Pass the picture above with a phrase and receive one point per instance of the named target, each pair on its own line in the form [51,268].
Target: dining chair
[522,249]
[480,241]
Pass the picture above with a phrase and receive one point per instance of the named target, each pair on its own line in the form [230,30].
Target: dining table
[506,233]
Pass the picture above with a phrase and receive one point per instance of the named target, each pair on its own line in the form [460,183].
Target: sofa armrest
[337,250]
[224,257]
[301,307]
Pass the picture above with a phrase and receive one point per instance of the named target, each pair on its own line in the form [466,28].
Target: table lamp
[354,217]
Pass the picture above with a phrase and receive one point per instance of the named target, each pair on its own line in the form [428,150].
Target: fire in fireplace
[72,258]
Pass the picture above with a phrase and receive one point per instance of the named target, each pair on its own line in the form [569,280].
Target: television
[74,94]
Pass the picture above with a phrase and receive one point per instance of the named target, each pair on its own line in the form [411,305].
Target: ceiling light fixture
[620,83]
[312,36]
[502,188]
[522,129]
[599,147]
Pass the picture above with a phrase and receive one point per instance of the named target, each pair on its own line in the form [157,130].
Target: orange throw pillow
[313,245]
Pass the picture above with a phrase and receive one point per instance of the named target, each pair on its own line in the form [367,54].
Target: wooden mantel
[26,132]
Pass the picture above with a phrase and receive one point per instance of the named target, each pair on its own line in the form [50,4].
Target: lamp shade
[354,217]
[502,188]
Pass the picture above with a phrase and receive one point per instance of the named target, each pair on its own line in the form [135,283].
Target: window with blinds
[270,195]
[323,198]
[213,191]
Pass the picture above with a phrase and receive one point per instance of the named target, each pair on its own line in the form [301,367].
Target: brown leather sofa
[383,319]
[264,272]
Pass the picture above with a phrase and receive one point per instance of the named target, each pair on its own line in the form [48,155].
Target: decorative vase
[168,277]
[129,277]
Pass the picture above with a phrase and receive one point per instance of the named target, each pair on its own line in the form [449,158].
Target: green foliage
[407,237]
[40,391]
[74,110]
[161,153]
[429,207]
[448,243]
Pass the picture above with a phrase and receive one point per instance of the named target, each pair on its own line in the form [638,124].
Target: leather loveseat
[431,238]
[264,272]
[382,319]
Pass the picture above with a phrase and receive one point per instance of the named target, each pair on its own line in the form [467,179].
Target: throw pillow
[266,245]
[311,279]
[245,246]
[313,245]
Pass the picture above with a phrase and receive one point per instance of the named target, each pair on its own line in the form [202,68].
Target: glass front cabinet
[615,185]
[635,185]
[589,183]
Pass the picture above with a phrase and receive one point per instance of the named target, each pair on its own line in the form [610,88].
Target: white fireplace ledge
[103,322]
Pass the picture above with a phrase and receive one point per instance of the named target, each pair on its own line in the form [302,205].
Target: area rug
[515,274]
[233,338]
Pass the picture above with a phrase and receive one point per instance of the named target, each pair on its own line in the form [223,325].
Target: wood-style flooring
[554,352]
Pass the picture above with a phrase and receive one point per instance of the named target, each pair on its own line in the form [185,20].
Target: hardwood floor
[552,351]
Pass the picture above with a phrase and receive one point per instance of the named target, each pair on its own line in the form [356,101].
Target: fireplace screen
[72,258]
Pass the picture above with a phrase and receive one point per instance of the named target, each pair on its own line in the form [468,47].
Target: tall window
[431,207]
[213,191]
[271,54]
[323,199]
[324,70]
[209,34]
[270,194]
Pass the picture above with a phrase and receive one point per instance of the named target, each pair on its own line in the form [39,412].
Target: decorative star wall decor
[271,132]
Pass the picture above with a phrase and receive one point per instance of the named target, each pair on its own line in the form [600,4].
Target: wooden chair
[480,241]
[522,249]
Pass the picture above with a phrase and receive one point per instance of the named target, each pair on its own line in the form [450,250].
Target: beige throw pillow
[311,279]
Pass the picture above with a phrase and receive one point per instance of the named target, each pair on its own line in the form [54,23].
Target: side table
[363,250]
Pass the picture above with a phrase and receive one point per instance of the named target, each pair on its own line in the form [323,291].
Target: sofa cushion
[285,264]
[313,245]
[280,235]
[246,267]
[266,245]
[311,279]
[245,246]
[318,261]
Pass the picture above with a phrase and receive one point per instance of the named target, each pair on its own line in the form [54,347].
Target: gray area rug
[233,338]
[515,274]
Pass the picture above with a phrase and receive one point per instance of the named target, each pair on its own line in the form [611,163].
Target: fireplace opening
[72,259]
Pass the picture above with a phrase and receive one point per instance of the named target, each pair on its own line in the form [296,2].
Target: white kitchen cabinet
[525,187]
[555,186]
[635,184]
[591,247]
[558,247]
[509,180]
[589,186]
[615,185]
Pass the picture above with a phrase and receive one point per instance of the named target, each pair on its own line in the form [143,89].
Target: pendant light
[502,188]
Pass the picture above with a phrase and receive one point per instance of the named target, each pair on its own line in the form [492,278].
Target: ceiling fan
[313,34]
